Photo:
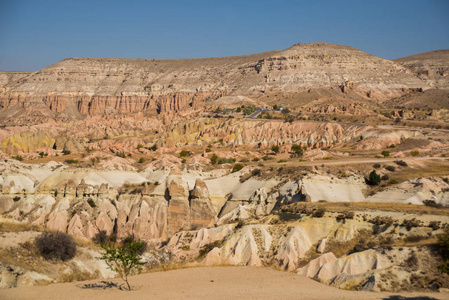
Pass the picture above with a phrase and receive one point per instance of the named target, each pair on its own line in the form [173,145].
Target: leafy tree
[373,178]
[249,110]
[124,258]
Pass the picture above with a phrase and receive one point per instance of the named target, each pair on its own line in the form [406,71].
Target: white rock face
[353,264]
[314,266]
[242,248]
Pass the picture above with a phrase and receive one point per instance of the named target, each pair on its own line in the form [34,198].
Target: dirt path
[209,283]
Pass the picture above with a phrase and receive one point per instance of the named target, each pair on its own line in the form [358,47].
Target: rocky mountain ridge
[92,86]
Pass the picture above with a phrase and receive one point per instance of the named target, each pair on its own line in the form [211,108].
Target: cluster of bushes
[214,159]
[120,154]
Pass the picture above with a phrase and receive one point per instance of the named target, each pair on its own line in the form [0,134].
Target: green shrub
[237,167]
[249,110]
[185,153]
[298,150]
[141,160]
[42,154]
[385,153]
[401,163]
[66,152]
[153,148]
[275,149]
[414,153]
[71,161]
[224,160]
[390,168]
[373,178]
[18,157]
[16,198]
[256,159]
[183,161]
[139,146]
[91,203]
[214,159]
[120,154]
[376,166]
[56,246]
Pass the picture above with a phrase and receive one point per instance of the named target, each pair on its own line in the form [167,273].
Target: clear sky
[35,33]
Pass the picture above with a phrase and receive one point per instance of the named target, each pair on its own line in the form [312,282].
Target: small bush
[224,160]
[42,154]
[385,153]
[393,181]
[214,159]
[120,154]
[185,153]
[139,146]
[102,237]
[275,149]
[319,213]
[66,152]
[432,203]
[298,150]
[390,168]
[71,161]
[153,148]
[141,160]
[414,153]
[385,177]
[240,224]
[16,198]
[91,203]
[56,246]
[183,161]
[18,157]
[237,167]
[376,166]
[256,159]
[401,163]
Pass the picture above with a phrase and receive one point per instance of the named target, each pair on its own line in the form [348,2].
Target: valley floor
[209,283]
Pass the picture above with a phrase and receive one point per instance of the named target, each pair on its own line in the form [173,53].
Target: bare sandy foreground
[209,283]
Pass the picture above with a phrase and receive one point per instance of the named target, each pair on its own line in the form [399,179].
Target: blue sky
[35,34]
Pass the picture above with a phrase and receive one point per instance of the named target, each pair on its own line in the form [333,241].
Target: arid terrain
[320,161]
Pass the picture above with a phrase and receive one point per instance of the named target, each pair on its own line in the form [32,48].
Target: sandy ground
[209,283]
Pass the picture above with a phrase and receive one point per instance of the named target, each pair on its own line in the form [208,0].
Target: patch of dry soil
[208,283]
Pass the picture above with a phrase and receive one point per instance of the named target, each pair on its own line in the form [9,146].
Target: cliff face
[432,67]
[127,85]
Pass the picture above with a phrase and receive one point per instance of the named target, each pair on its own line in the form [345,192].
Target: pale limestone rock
[314,266]
[202,212]
[104,223]
[353,264]
[75,227]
